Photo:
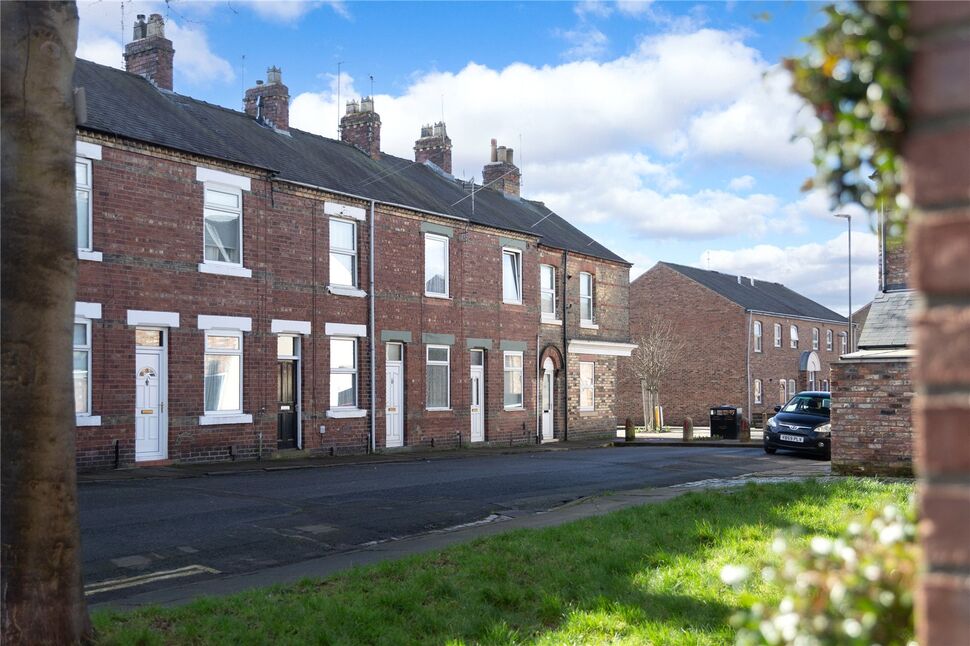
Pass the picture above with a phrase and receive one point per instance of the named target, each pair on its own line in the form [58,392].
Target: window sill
[514,408]
[504,302]
[225,270]
[94,256]
[443,297]
[344,290]
[212,419]
[438,410]
[551,322]
[87,420]
[587,410]
[341,413]
[588,325]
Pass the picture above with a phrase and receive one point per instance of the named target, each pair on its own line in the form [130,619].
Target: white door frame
[162,352]
[548,419]
[399,364]
[476,417]
[297,358]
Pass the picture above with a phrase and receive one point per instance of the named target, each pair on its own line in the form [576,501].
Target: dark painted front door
[286,413]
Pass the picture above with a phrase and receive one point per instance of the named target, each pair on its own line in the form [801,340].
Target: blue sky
[662,129]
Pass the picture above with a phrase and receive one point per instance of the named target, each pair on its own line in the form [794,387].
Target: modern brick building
[751,343]
[247,288]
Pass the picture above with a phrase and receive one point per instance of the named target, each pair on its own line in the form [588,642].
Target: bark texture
[659,350]
[43,598]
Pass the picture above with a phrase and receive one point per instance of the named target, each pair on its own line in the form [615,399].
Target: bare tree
[43,597]
[658,349]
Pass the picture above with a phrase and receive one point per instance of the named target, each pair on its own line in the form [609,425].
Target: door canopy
[809,362]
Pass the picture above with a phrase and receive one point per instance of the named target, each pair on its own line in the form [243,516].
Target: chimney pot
[494,157]
[259,81]
[274,75]
[156,26]
[501,174]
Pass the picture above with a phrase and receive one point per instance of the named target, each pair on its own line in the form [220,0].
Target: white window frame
[583,276]
[792,386]
[341,251]
[89,189]
[222,266]
[86,347]
[447,252]
[844,342]
[592,386]
[550,291]
[829,344]
[507,372]
[345,371]
[758,333]
[783,391]
[816,338]
[516,254]
[825,385]
[447,364]
[793,332]
[777,335]
[758,391]
[224,352]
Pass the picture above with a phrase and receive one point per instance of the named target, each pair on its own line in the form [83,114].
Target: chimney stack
[500,173]
[434,146]
[269,102]
[150,54]
[361,126]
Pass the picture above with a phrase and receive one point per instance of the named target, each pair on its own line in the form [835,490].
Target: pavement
[675,437]
[183,590]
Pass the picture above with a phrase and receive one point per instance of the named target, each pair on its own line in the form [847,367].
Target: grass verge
[647,575]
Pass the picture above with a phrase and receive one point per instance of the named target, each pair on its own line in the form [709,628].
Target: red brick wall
[714,371]
[872,418]
[937,152]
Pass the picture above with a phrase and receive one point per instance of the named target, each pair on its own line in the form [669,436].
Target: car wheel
[770,451]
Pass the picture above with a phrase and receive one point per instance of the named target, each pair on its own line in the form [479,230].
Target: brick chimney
[361,126]
[150,53]
[500,173]
[434,146]
[269,102]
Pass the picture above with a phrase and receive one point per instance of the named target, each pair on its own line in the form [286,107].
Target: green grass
[648,575]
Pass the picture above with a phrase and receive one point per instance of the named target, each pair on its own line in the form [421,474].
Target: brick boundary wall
[937,153]
[872,418]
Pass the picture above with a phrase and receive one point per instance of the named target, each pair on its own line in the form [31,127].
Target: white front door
[477,396]
[547,399]
[151,419]
[394,409]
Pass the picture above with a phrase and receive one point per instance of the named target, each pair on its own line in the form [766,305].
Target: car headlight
[772,423]
[824,430]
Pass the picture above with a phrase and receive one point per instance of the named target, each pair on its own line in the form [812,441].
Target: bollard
[688,429]
[744,434]
[631,433]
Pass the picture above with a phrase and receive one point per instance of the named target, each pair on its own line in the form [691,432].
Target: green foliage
[853,590]
[855,78]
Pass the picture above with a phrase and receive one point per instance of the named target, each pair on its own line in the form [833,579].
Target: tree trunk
[645,402]
[43,597]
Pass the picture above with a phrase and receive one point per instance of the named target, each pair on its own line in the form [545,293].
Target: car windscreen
[808,405]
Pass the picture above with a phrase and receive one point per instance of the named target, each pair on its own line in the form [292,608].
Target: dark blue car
[802,425]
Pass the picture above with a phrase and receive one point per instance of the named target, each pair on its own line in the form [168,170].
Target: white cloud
[816,270]
[597,8]
[586,43]
[291,11]
[743,183]
[634,7]
[100,40]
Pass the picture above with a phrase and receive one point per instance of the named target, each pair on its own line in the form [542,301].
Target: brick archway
[551,352]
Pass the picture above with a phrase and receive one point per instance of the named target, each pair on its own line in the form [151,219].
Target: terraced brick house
[751,343]
[246,288]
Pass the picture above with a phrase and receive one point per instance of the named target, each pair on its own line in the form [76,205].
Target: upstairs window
[511,276]
[777,335]
[438,377]
[586,298]
[343,253]
[828,340]
[435,265]
[223,224]
[815,335]
[82,174]
[757,336]
[513,380]
[547,291]
[82,367]
[793,331]
[223,371]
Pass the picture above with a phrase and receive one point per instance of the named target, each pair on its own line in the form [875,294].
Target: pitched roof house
[246,287]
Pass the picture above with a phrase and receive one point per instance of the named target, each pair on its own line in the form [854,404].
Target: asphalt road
[236,523]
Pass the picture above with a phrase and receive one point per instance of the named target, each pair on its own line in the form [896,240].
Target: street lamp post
[848,219]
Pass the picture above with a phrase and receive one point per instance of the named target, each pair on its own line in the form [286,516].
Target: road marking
[142,579]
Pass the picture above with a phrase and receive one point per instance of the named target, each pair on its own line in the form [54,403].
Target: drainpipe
[747,367]
[373,335]
[538,389]
[565,351]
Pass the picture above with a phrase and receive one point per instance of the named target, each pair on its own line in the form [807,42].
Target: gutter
[747,366]
[797,316]
[565,352]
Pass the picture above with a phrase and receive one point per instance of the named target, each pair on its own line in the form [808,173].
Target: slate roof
[887,325]
[126,105]
[763,296]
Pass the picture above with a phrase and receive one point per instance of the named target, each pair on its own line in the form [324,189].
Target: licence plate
[792,438]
